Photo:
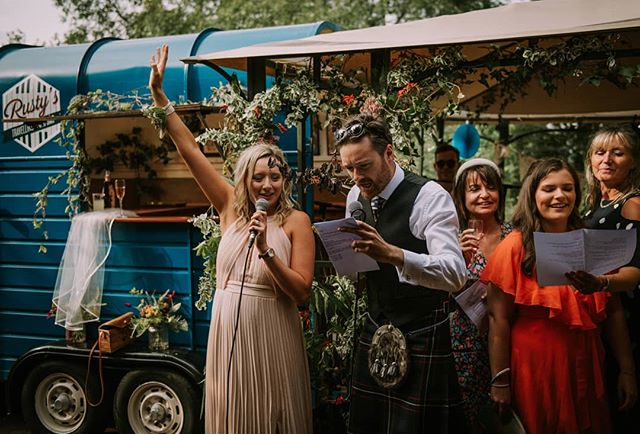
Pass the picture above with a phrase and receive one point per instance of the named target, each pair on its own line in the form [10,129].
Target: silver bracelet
[168,109]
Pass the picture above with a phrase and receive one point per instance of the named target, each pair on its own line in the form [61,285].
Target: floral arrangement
[157,311]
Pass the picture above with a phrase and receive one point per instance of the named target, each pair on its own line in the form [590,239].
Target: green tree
[94,19]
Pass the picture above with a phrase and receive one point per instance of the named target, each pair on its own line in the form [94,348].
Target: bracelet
[168,109]
[498,375]
[633,374]
[501,385]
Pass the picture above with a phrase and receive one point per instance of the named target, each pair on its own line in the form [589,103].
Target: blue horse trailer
[43,377]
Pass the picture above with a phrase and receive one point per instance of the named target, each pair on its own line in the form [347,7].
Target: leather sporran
[115,334]
[388,357]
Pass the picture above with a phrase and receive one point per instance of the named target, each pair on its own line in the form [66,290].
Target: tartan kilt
[429,398]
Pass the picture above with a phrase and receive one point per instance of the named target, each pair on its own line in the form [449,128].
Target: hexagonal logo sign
[31,97]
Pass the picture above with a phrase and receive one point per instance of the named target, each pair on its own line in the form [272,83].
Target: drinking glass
[476,225]
[120,191]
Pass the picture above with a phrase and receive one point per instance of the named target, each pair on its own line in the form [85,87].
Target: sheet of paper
[595,251]
[338,247]
[472,302]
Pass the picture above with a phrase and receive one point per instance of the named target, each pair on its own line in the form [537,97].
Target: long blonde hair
[244,205]
[624,136]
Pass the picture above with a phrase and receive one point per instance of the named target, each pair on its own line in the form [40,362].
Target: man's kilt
[428,401]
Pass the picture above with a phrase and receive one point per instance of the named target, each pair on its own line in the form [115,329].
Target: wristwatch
[270,253]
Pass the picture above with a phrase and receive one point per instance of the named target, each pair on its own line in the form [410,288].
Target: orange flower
[256,111]
[406,89]
[282,128]
[348,99]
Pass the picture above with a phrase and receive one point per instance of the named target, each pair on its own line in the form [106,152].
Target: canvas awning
[551,19]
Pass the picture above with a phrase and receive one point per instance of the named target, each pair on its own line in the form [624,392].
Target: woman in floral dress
[477,194]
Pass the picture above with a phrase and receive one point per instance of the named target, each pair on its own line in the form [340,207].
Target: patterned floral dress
[470,348]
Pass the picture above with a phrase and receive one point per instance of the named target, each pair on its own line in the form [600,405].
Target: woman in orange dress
[544,342]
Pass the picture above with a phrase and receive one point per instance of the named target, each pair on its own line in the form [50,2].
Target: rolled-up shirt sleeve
[434,220]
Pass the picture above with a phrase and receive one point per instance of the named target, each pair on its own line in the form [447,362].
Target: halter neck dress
[270,390]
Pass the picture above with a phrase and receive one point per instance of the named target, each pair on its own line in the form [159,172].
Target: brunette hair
[526,217]
[375,127]
[490,177]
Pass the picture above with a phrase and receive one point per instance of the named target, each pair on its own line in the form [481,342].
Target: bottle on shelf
[108,191]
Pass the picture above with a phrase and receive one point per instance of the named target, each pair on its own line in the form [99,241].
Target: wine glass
[476,225]
[121,188]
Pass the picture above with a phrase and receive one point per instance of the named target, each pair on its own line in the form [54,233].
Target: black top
[389,300]
[609,216]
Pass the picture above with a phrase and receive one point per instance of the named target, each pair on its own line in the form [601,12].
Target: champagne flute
[121,188]
[476,225]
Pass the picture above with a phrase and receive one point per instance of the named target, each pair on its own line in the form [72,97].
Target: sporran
[388,357]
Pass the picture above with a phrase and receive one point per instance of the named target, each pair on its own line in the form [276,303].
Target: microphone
[261,205]
[356,211]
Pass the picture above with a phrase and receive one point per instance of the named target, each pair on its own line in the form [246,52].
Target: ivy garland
[78,174]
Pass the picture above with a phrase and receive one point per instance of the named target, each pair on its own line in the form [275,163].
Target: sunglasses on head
[351,132]
[449,163]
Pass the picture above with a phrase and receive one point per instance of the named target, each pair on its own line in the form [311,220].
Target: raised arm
[215,187]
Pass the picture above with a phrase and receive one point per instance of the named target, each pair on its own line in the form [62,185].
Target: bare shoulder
[297,220]
[631,209]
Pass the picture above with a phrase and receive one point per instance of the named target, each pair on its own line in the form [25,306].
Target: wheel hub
[155,408]
[157,412]
[60,403]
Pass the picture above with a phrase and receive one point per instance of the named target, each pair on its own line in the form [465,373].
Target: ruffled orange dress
[556,351]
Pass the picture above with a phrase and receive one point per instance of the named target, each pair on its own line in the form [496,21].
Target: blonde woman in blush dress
[269,387]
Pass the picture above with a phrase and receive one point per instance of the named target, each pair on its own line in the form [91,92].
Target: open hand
[158,64]
[627,391]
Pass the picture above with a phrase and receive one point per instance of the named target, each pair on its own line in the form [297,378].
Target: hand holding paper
[595,251]
[338,246]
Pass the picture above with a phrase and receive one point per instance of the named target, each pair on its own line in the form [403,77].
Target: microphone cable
[233,341]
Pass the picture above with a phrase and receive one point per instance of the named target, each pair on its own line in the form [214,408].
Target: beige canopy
[547,19]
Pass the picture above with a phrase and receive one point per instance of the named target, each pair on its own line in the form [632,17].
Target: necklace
[618,198]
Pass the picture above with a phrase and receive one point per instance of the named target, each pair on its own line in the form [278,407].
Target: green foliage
[329,343]
[91,20]
[208,250]
[156,311]
[128,150]
[94,19]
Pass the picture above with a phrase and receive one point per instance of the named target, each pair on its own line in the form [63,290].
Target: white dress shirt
[433,219]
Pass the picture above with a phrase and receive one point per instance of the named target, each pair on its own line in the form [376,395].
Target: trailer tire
[154,401]
[54,400]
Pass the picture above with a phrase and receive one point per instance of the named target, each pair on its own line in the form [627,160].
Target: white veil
[78,291]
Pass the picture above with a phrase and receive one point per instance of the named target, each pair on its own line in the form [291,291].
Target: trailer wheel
[54,401]
[153,401]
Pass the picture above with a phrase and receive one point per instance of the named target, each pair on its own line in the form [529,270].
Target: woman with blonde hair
[613,201]
[257,375]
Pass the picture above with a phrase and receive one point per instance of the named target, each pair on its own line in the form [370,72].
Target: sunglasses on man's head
[351,132]
[449,163]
